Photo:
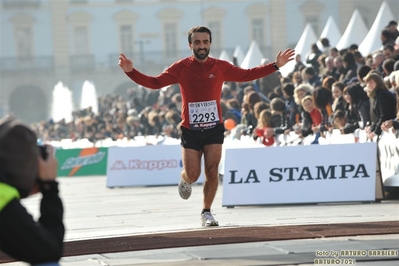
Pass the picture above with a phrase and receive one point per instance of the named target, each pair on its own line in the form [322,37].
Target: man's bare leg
[212,156]
[191,165]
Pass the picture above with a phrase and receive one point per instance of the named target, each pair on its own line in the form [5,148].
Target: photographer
[24,170]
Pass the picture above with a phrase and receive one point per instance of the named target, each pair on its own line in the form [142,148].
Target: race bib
[203,115]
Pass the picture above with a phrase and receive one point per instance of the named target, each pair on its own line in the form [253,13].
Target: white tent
[253,57]
[331,32]
[239,55]
[224,56]
[355,32]
[372,42]
[302,47]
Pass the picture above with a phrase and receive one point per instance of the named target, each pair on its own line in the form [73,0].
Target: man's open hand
[125,63]
[283,58]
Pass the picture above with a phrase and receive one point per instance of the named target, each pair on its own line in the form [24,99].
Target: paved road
[94,211]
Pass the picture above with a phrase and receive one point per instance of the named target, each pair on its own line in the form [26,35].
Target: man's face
[200,45]
[393,28]
[377,60]
[388,53]
[338,63]
[329,63]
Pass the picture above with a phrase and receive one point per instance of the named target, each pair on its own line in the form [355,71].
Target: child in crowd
[264,128]
[339,120]
[309,107]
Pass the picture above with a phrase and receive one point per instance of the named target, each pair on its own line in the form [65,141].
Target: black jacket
[34,242]
[279,122]
[384,108]
[363,108]
[360,113]
[351,72]
[292,111]
[307,123]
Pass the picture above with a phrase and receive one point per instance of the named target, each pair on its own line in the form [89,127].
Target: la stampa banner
[300,174]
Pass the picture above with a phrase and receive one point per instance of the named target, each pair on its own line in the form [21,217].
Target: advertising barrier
[254,174]
[388,149]
[82,162]
[300,174]
[145,166]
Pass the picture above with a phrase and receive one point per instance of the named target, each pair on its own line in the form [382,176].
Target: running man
[201,78]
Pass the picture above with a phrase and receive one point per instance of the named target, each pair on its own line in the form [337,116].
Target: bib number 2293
[203,115]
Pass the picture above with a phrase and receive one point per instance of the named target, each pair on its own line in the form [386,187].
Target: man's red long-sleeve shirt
[200,86]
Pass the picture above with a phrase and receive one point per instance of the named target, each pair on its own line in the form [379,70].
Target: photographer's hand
[48,167]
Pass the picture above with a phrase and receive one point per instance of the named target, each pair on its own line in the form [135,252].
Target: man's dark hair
[334,49]
[314,47]
[342,52]
[392,23]
[321,97]
[387,34]
[362,71]
[199,29]
[277,104]
[357,54]
[389,47]
[353,47]
[310,71]
[349,59]
[388,64]
[325,42]
[289,89]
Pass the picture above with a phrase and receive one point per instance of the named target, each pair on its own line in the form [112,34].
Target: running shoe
[208,220]
[184,189]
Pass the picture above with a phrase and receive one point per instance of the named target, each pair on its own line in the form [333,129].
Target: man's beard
[201,56]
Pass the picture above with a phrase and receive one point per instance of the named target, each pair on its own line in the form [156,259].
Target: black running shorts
[197,139]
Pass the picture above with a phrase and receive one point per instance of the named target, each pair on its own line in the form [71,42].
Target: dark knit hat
[18,156]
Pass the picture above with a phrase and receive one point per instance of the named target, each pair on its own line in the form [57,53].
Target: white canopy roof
[253,56]
[331,32]
[372,42]
[239,55]
[224,56]
[355,32]
[302,47]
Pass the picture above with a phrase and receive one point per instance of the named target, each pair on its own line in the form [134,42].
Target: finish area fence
[350,164]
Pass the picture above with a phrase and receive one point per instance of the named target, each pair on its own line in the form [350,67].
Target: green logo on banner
[82,162]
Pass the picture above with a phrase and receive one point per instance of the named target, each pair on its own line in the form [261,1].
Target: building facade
[47,41]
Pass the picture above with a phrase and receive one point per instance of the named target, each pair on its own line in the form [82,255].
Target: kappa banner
[82,162]
[144,166]
[300,174]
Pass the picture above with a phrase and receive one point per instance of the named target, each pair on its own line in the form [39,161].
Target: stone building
[43,42]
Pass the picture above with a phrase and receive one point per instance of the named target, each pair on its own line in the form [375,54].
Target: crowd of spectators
[143,112]
[328,88]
